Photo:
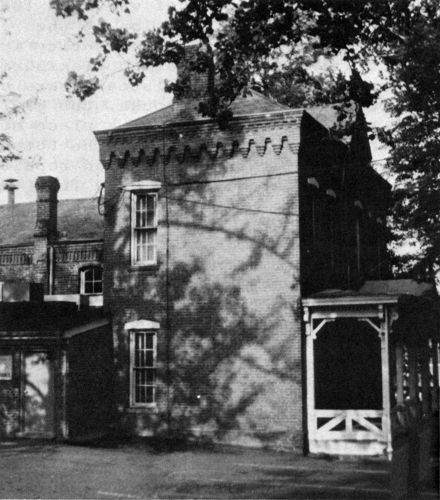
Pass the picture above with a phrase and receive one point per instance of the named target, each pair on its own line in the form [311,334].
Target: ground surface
[43,470]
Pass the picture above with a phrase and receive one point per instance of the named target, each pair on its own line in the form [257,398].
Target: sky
[55,133]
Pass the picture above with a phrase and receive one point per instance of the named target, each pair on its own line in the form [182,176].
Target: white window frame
[83,280]
[153,229]
[147,328]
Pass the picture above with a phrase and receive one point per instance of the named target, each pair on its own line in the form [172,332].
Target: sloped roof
[47,317]
[187,110]
[326,115]
[397,287]
[77,220]
[392,287]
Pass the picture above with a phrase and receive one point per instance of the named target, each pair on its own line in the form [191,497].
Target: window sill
[151,408]
[144,268]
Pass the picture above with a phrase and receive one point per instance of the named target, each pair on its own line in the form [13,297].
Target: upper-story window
[144,227]
[91,280]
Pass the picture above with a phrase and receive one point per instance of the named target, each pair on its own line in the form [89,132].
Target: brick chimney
[198,82]
[45,229]
[47,200]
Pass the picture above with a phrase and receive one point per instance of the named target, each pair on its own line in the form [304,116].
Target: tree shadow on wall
[208,326]
[217,355]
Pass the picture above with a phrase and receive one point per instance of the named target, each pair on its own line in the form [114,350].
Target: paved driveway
[42,470]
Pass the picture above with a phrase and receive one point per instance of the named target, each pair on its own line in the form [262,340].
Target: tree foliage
[274,45]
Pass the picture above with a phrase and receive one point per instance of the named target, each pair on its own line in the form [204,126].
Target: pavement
[32,469]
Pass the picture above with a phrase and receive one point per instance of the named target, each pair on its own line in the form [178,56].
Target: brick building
[245,284]
[212,238]
[55,243]
[55,350]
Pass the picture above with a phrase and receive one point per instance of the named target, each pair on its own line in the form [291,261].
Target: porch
[372,369]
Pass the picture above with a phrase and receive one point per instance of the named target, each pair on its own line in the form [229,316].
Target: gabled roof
[187,110]
[77,220]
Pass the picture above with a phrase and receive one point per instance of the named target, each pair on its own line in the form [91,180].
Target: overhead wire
[232,207]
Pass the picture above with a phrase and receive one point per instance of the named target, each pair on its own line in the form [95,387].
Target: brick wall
[16,263]
[70,259]
[234,340]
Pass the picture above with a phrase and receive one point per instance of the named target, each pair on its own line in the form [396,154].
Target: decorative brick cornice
[80,252]
[187,153]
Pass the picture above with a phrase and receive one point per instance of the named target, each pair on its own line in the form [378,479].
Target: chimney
[196,83]
[10,187]
[46,224]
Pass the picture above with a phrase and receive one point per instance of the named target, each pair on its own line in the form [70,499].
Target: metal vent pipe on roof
[10,187]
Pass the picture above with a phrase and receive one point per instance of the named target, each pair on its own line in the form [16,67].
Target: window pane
[150,376]
[150,254]
[149,395]
[138,388]
[140,211]
[151,208]
[149,341]
[148,358]
[88,287]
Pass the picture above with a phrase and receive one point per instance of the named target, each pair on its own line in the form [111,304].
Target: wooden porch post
[413,376]
[399,374]
[426,392]
[386,419]
[434,356]
[64,374]
[310,377]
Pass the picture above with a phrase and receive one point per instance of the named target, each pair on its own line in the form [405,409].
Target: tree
[273,45]
[10,105]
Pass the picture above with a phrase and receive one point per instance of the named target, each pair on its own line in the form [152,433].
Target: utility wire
[231,207]
[230,179]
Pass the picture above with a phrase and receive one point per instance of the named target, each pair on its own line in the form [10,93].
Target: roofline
[69,332]
[350,300]
[85,240]
[86,327]
[267,114]
[18,245]
[17,335]
[5,205]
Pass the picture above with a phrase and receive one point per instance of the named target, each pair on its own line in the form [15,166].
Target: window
[143,367]
[144,228]
[91,280]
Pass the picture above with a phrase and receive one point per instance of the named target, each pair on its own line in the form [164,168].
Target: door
[38,395]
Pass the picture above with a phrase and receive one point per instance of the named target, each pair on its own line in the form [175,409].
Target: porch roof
[373,292]
[43,319]
[417,305]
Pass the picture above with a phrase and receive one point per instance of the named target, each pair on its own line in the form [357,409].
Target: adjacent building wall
[55,263]
[90,377]
[343,206]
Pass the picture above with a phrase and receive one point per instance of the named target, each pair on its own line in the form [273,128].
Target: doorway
[37,395]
